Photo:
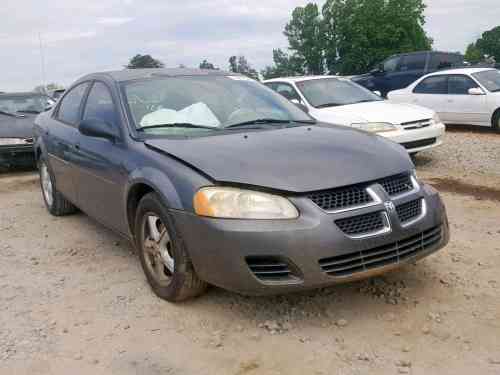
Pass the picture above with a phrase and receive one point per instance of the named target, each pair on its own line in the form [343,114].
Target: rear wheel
[56,204]
[164,260]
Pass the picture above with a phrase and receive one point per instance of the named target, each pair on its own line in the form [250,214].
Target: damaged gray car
[218,180]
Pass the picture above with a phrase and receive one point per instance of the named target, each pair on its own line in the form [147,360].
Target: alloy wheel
[158,249]
[47,188]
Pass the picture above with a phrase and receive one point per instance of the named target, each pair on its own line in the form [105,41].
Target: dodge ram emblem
[390,206]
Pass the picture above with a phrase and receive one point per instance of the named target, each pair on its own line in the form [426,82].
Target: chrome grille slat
[393,253]
[356,196]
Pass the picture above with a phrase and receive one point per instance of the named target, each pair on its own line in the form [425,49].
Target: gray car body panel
[98,176]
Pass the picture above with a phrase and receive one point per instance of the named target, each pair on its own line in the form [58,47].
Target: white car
[459,96]
[340,101]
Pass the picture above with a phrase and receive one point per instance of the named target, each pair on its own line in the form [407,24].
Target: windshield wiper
[367,101]
[329,105]
[260,121]
[29,111]
[176,125]
[10,114]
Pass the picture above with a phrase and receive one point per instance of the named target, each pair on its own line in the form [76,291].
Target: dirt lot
[73,298]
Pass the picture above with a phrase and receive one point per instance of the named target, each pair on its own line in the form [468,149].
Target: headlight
[436,119]
[375,127]
[233,203]
[12,141]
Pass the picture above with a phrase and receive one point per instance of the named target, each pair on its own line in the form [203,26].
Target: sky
[81,37]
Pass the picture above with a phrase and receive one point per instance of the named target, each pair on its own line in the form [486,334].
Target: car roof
[133,74]
[300,78]
[460,71]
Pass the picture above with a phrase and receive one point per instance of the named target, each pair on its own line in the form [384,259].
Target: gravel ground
[466,150]
[73,298]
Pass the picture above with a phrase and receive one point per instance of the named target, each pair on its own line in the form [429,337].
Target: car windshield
[194,104]
[31,103]
[489,79]
[331,92]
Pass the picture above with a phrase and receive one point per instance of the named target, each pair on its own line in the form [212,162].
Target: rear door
[464,108]
[61,140]
[101,176]
[432,92]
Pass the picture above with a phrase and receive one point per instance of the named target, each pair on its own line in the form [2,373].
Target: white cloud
[114,21]
[81,37]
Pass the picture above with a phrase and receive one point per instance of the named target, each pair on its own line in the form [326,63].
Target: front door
[464,108]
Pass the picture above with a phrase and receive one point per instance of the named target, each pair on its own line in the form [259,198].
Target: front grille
[349,264]
[362,224]
[416,124]
[357,195]
[397,185]
[410,210]
[420,143]
[337,199]
[268,268]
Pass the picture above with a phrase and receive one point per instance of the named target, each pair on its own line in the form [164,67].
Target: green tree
[361,33]
[306,38]
[284,66]
[239,64]
[48,88]
[473,54]
[207,65]
[144,61]
[489,43]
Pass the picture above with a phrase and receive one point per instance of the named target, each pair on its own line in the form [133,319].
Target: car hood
[299,159]
[16,127]
[381,111]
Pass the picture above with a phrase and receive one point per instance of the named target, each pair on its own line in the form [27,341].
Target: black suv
[399,71]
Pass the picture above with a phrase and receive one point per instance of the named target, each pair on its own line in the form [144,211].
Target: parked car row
[219,180]
[343,102]
[460,96]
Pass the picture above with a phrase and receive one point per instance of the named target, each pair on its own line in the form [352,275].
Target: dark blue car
[218,180]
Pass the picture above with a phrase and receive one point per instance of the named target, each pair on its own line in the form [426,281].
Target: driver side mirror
[300,105]
[98,129]
[379,70]
[476,91]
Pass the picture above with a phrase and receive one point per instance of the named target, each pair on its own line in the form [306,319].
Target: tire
[495,122]
[164,260]
[55,203]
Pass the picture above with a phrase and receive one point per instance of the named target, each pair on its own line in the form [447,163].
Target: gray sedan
[218,180]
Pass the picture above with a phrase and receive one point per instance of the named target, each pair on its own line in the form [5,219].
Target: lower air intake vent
[271,269]
[392,253]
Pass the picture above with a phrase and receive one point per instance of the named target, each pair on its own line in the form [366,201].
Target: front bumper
[17,156]
[220,249]
[417,140]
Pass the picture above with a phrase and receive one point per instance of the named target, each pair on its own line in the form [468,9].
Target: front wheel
[55,202]
[164,260]
[496,121]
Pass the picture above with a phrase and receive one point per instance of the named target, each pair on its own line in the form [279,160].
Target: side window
[460,85]
[100,105]
[69,110]
[433,85]
[414,62]
[391,65]
[287,91]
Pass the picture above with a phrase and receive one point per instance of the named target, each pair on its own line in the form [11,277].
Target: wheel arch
[496,114]
[145,182]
